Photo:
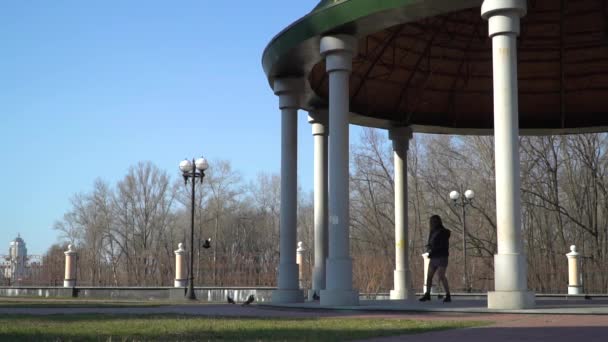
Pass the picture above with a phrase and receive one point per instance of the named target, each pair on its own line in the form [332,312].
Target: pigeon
[230,300]
[207,243]
[315,296]
[249,300]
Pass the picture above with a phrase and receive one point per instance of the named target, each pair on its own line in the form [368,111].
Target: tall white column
[319,122]
[402,285]
[338,51]
[574,275]
[289,91]
[180,274]
[70,267]
[510,269]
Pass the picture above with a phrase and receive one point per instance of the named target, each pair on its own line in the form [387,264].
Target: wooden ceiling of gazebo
[438,71]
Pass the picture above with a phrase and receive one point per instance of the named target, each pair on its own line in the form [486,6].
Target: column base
[288,276]
[69,283]
[339,274]
[318,278]
[511,300]
[312,292]
[287,296]
[180,283]
[402,294]
[575,289]
[401,285]
[339,297]
[510,272]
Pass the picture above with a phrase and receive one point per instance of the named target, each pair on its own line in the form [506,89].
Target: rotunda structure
[493,67]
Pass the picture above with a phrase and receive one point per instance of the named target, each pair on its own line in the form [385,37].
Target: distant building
[15,265]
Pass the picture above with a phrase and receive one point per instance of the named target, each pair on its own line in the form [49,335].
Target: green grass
[95,327]
[76,303]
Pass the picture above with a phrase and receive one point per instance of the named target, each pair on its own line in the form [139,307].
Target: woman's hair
[435,222]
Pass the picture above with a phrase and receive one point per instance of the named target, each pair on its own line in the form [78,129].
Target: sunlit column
[289,91]
[338,51]
[319,122]
[574,275]
[402,285]
[510,270]
[70,267]
[180,275]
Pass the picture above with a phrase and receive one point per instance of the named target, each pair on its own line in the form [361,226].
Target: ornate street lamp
[191,171]
[462,201]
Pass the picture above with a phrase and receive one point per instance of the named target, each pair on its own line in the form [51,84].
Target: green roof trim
[327,3]
[326,16]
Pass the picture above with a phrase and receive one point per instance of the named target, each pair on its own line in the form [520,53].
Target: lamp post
[462,200]
[191,171]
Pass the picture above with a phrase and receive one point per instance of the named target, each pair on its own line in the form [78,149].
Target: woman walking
[438,248]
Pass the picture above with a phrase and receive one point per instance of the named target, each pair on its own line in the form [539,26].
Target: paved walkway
[505,327]
[553,306]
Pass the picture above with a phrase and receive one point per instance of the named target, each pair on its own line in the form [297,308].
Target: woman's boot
[447,298]
[427,296]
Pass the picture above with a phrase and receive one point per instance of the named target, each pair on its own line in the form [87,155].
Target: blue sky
[89,88]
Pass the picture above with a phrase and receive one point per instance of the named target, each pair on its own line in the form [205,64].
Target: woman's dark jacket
[439,243]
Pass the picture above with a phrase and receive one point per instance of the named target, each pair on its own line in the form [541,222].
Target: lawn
[96,327]
[75,303]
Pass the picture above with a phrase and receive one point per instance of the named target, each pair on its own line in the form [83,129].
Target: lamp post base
[190,295]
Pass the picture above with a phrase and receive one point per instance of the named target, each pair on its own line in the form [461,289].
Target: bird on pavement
[249,300]
[207,243]
[230,300]
[315,296]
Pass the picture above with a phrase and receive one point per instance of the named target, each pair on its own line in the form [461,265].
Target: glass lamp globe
[201,164]
[185,165]
[469,194]
[454,195]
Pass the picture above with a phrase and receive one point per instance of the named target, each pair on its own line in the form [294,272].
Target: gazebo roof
[428,64]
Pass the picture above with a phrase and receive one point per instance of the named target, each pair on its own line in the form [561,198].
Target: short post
[300,261]
[180,277]
[70,267]
[427,261]
[574,278]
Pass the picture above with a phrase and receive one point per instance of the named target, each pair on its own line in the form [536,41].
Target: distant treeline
[126,232]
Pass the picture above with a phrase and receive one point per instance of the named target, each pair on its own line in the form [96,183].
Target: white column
[402,285]
[574,276]
[180,275]
[319,121]
[70,267]
[510,270]
[338,52]
[289,92]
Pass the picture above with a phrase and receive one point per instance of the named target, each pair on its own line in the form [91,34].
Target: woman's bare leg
[429,278]
[442,278]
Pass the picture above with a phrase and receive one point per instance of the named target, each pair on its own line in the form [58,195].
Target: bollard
[574,277]
[299,260]
[427,261]
[70,269]
[180,279]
